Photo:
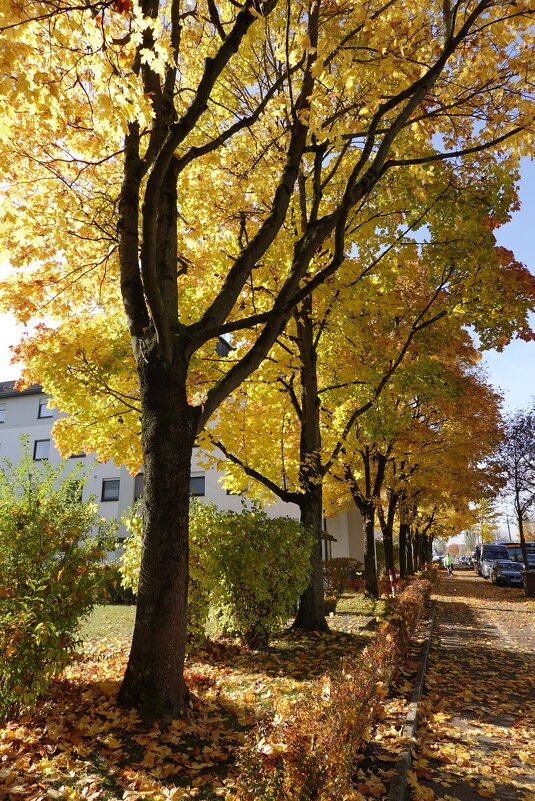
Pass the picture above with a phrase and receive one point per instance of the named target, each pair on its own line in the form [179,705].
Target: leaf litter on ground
[475,737]
[78,745]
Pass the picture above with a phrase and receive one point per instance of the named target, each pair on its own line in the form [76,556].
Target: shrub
[246,569]
[339,575]
[113,590]
[261,566]
[50,574]
[311,753]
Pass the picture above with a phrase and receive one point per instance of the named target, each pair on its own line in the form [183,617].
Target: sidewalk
[475,733]
[476,723]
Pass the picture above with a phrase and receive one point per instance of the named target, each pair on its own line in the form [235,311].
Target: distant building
[115,490]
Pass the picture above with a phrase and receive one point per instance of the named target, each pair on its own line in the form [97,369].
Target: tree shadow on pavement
[475,729]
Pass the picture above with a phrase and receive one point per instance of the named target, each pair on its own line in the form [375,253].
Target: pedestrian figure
[448,562]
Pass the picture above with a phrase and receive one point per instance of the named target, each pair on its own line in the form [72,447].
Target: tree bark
[429,549]
[410,562]
[422,551]
[370,564]
[154,682]
[403,531]
[311,611]
[416,541]
[388,539]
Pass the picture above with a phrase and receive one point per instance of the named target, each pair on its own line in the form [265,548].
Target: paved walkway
[476,730]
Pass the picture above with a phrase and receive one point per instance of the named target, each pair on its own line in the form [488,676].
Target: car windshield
[495,553]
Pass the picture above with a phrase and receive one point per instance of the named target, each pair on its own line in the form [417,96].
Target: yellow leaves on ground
[80,746]
[475,737]
[476,729]
[486,789]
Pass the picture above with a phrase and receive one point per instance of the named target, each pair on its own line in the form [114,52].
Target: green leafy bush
[50,574]
[261,566]
[247,569]
[113,590]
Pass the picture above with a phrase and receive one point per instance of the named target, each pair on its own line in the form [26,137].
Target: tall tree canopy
[206,166]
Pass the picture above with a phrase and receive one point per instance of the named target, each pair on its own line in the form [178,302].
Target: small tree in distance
[515,460]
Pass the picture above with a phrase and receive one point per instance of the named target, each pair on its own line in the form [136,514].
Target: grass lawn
[109,622]
[78,745]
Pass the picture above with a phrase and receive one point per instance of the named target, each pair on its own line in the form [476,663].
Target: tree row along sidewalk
[253,716]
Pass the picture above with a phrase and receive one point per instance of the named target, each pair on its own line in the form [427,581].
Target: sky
[513,370]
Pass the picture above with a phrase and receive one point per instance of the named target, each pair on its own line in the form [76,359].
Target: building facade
[26,413]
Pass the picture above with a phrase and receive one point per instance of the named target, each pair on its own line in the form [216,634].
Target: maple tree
[165,147]
[343,351]
[436,470]
[484,528]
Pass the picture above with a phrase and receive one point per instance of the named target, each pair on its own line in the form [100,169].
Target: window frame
[107,482]
[36,443]
[192,479]
[43,412]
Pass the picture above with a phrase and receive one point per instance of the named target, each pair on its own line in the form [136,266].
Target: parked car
[491,553]
[514,549]
[506,572]
[465,561]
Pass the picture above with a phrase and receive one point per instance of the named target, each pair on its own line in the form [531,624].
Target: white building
[26,412]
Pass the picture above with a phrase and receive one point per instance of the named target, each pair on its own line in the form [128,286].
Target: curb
[398,785]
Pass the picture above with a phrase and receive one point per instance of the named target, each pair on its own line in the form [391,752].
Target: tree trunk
[521,534]
[403,531]
[311,611]
[370,564]
[388,540]
[429,549]
[422,551]
[154,682]
[416,539]
[410,563]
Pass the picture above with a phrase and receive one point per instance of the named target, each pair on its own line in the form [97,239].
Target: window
[80,455]
[2,412]
[41,448]
[44,411]
[222,347]
[110,489]
[138,486]
[196,486]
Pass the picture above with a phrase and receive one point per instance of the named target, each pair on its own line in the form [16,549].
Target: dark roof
[7,389]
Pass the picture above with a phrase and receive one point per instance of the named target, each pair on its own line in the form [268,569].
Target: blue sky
[512,371]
